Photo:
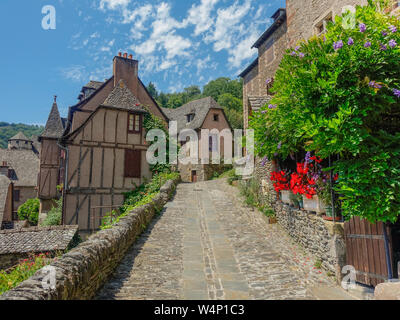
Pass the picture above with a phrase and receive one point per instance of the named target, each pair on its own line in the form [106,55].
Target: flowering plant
[342,97]
[280,180]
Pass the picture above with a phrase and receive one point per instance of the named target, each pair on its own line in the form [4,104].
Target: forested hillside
[8,130]
[228,93]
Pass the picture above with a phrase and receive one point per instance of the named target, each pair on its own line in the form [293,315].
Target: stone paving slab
[207,245]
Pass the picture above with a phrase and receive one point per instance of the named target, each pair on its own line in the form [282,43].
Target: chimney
[127,70]
[130,57]
[119,54]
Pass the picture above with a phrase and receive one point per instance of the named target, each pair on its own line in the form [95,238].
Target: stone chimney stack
[126,68]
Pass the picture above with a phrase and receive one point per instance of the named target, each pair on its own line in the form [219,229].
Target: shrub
[54,216]
[140,196]
[30,211]
[338,95]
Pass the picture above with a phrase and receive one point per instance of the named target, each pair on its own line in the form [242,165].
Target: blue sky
[177,42]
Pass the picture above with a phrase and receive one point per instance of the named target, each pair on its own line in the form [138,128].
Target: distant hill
[8,130]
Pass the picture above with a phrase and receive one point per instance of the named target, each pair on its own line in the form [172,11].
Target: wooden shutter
[133,163]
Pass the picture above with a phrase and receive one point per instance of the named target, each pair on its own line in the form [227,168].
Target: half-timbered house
[103,146]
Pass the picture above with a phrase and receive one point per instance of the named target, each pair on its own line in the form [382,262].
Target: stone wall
[81,272]
[324,239]
[204,171]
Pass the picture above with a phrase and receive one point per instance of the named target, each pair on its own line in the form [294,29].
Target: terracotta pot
[272,220]
[314,204]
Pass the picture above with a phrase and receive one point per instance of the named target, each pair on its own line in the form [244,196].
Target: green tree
[151,88]
[30,211]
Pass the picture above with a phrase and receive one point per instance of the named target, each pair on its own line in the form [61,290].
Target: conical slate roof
[122,98]
[54,126]
[20,136]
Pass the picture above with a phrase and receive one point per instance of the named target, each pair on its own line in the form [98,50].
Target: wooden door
[365,250]
[194,176]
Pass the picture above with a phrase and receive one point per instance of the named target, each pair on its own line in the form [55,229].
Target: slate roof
[279,17]
[256,102]
[4,185]
[123,98]
[199,108]
[249,68]
[36,239]
[54,126]
[20,136]
[93,85]
[25,164]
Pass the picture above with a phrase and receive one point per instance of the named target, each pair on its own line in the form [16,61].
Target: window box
[285,196]
[314,205]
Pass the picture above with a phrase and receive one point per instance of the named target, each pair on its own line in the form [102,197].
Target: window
[269,83]
[321,26]
[134,123]
[216,117]
[16,195]
[269,51]
[190,117]
[133,159]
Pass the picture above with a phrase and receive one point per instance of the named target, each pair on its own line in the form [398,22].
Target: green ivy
[340,102]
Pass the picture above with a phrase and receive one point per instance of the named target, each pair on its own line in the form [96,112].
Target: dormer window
[190,117]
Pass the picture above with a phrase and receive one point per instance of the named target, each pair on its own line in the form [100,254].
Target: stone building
[6,200]
[21,166]
[21,142]
[102,148]
[299,21]
[202,114]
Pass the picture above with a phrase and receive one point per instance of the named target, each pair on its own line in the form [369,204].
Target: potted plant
[280,181]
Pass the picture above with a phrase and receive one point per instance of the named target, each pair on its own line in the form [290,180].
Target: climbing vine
[338,96]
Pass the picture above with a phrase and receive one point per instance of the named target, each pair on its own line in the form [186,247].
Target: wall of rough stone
[81,272]
[324,239]
[304,15]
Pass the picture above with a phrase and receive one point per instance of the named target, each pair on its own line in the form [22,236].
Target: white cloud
[139,16]
[200,16]
[163,37]
[113,4]
[242,51]
[228,24]
[75,73]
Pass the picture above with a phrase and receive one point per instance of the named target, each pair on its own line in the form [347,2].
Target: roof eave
[277,23]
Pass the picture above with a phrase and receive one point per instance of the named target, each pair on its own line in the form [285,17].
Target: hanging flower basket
[314,204]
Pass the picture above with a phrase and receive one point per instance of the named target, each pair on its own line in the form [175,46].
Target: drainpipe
[387,251]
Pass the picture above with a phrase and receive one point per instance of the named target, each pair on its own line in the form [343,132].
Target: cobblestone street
[207,245]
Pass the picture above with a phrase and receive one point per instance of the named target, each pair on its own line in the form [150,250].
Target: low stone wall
[387,291]
[81,272]
[324,239]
